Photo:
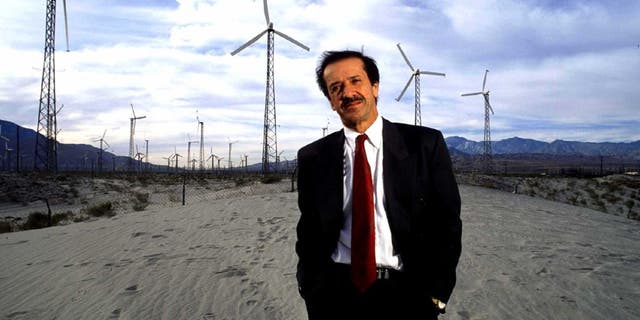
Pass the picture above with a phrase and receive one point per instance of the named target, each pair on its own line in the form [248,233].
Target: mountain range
[83,156]
[519,145]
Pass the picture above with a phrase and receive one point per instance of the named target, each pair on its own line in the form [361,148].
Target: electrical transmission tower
[46,153]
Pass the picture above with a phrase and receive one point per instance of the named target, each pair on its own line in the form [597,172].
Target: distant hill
[71,157]
[84,157]
[518,145]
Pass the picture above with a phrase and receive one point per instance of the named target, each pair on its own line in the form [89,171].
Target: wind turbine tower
[229,158]
[46,151]
[131,134]
[189,151]
[6,161]
[270,141]
[100,154]
[146,154]
[416,77]
[487,155]
[201,125]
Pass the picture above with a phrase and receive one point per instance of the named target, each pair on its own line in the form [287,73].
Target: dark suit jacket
[422,204]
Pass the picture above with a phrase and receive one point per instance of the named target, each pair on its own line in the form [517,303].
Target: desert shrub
[101,209]
[612,198]
[271,179]
[142,197]
[36,220]
[174,197]
[74,191]
[141,201]
[5,226]
[612,187]
[59,217]
[241,181]
[79,218]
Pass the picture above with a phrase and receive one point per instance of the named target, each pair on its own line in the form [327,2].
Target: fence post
[184,184]
[293,178]
[49,222]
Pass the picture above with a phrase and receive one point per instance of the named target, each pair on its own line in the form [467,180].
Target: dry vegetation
[76,197]
[613,194]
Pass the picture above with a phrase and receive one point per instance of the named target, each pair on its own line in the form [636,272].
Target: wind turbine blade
[105,132]
[250,42]
[433,73]
[487,104]
[134,112]
[66,25]
[405,87]
[471,94]
[292,40]
[405,57]
[106,144]
[266,12]
[484,82]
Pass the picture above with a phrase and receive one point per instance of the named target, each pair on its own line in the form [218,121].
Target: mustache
[347,100]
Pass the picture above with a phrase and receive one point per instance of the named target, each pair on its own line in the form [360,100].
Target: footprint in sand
[131,290]
[115,314]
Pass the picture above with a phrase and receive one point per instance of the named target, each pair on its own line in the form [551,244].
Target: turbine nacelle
[416,73]
[484,93]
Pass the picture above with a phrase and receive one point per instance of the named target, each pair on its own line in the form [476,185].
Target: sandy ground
[233,258]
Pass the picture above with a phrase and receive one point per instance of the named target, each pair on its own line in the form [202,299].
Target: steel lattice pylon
[270,140]
[415,75]
[270,157]
[487,152]
[487,155]
[418,120]
[46,144]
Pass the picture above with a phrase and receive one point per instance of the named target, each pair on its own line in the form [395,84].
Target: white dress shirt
[385,256]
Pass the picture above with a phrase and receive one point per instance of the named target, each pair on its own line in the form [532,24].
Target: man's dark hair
[329,57]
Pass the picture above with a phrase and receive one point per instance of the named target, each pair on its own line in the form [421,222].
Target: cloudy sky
[558,69]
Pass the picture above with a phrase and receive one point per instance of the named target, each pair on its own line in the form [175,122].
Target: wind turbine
[169,158]
[132,133]
[487,155]
[213,157]
[102,141]
[229,159]
[46,146]
[416,77]
[201,125]
[5,157]
[189,151]
[176,156]
[270,141]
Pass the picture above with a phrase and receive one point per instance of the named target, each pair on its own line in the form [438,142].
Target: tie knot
[361,139]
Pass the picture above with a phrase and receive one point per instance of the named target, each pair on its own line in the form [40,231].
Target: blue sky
[558,69]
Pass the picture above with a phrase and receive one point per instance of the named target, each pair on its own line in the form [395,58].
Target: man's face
[351,93]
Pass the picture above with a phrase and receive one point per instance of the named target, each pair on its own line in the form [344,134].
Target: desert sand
[233,258]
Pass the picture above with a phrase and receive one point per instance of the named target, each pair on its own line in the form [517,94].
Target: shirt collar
[374,133]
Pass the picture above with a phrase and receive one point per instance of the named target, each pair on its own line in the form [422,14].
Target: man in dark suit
[410,200]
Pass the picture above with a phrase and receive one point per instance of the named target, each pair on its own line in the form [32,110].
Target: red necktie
[363,255]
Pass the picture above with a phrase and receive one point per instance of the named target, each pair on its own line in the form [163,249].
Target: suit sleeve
[307,232]
[447,217]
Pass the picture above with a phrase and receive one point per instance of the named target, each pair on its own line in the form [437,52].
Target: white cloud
[557,71]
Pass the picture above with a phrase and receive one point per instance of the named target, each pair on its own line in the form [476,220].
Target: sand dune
[523,258]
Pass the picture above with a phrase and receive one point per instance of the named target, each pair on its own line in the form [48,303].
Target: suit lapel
[398,168]
[330,181]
